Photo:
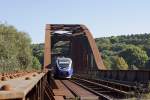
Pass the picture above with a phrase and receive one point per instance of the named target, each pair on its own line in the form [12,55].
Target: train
[63,67]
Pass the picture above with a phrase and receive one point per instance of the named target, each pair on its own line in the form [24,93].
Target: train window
[64,65]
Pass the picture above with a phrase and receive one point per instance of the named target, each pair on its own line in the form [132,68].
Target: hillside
[125,52]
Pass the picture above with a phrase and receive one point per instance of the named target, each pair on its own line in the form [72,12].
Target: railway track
[71,91]
[105,91]
[82,89]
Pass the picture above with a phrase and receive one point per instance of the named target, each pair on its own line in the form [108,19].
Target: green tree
[38,51]
[35,63]
[114,39]
[15,51]
[134,56]
[103,44]
[107,61]
[121,63]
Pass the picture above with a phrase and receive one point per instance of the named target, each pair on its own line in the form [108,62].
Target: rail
[104,91]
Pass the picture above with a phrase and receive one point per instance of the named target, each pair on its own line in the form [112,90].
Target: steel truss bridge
[91,79]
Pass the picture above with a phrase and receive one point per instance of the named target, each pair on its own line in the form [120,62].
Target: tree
[15,51]
[35,63]
[107,61]
[114,39]
[134,56]
[103,44]
[38,52]
[121,63]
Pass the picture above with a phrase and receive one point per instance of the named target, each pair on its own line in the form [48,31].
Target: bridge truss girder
[83,49]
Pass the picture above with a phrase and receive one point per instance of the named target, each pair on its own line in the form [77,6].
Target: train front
[63,68]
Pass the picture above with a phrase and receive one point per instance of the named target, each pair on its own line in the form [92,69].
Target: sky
[103,17]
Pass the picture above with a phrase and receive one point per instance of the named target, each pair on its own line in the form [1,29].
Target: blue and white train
[63,68]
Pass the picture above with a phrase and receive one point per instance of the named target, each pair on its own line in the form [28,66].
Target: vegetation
[35,63]
[125,52]
[15,51]
[38,52]
[120,63]
[135,56]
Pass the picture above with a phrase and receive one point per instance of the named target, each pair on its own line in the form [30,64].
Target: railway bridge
[91,79]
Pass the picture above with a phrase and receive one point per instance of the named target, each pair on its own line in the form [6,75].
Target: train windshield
[64,63]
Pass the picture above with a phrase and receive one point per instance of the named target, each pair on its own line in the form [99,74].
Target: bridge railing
[125,76]
[32,87]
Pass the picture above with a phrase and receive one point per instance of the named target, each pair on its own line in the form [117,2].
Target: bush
[15,51]
[35,63]
[121,64]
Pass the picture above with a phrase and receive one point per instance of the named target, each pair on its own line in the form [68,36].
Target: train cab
[63,68]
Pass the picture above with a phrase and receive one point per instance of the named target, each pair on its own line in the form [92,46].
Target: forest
[125,52]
